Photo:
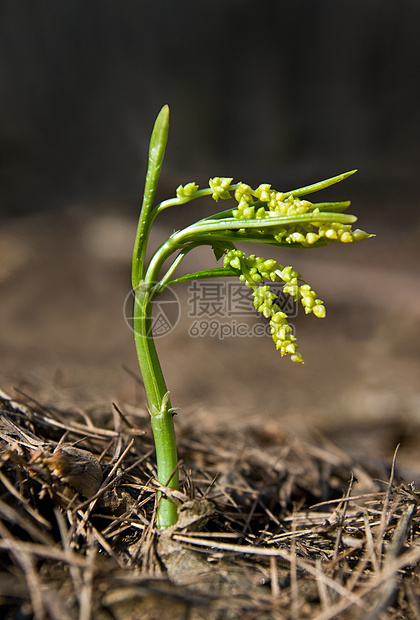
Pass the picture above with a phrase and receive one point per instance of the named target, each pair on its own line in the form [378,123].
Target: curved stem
[159,405]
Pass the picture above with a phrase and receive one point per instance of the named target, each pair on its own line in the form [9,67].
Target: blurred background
[286,93]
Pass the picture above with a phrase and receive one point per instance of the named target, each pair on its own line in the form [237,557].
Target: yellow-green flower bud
[249,213]
[359,235]
[319,311]
[297,358]
[263,192]
[291,289]
[243,192]
[311,238]
[346,237]
[186,191]
[330,233]
[295,237]
[308,303]
[220,188]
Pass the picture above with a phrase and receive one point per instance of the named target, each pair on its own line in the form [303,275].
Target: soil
[270,526]
[278,437]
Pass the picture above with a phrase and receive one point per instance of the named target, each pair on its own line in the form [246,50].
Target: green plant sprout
[261,215]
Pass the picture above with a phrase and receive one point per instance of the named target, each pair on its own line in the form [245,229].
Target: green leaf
[316,187]
[335,207]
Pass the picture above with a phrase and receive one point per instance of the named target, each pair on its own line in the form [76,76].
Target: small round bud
[297,358]
[312,238]
[331,233]
[319,311]
[359,235]
[346,237]
[249,213]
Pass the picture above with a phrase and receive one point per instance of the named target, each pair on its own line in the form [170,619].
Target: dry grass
[292,529]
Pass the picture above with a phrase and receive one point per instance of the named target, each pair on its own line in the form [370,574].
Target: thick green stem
[159,406]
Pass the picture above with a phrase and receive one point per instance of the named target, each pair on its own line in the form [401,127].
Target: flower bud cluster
[220,188]
[253,271]
[308,234]
[265,202]
[341,232]
[256,269]
[303,236]
[279,203]
[248,208]
[281,331]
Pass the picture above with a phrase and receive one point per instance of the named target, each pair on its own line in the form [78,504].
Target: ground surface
[270,526]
